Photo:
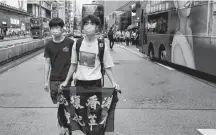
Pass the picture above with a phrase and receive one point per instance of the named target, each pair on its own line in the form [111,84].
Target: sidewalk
[132,49]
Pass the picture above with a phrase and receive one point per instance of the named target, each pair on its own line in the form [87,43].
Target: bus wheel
[151,54]
[163,55]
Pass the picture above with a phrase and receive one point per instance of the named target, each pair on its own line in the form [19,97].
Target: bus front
[97,10]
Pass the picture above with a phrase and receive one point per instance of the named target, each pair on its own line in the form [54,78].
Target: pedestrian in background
[111,38]
[127,37]
[57,58]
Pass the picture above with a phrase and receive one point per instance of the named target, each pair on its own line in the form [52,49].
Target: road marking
[119,133]
[169,68]
[124,99]
[207,131]
[137,53]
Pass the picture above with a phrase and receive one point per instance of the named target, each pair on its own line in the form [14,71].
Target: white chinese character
[78,119]
[107,102]
[75,101]
[92,120]
[92,101]
[67,116]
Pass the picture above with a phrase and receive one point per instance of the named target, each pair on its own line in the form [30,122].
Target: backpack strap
[78,45]
[101,48]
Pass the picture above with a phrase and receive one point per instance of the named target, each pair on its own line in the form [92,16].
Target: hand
[116,86]
[47,87]
[64,84]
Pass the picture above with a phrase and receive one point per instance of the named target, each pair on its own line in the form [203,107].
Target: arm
[110,74]
[47,55]
[71,72]
[108,64]
[47,70]
[73,66]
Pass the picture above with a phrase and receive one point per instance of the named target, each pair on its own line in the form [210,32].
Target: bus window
[157,23]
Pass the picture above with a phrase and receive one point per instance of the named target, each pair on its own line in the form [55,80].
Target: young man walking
[87,62]
[57,58]
[111,38]
[88,66]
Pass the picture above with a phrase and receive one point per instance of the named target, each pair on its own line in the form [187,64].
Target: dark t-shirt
[60,57]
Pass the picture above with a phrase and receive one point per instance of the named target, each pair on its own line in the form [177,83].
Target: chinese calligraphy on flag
[90,110]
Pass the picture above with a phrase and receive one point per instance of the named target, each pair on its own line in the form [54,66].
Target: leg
[110,43]
[54,86]
[127,41]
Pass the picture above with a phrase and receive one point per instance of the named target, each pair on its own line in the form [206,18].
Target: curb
[137,53]
[19,61]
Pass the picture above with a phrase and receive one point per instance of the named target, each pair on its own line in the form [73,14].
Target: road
[155,100]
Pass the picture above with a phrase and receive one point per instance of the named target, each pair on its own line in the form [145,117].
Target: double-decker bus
[180,33]
[39,27]
[97,10]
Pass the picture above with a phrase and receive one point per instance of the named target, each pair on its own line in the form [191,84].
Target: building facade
[19,4]
[61,10]
[33,7]
[54,8]
[14,15]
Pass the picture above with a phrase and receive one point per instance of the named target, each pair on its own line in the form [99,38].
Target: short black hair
[56,22]
[94,19]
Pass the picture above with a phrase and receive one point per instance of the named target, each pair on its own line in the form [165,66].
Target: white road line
[137,53]
[119,133]
[207,131]
[169,68]
[124,99]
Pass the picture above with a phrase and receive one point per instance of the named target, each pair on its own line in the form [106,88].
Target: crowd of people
[130,37]
[17,33]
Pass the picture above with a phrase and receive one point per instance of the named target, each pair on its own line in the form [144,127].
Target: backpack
[101,47]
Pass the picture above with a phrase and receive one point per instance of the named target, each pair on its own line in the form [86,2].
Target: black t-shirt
[60,57]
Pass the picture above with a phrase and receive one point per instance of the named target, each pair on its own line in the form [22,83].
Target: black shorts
[92,83]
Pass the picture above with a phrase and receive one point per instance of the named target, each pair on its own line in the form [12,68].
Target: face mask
[56,31]
[89,30]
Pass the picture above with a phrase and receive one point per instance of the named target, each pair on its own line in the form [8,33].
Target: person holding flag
[90,60]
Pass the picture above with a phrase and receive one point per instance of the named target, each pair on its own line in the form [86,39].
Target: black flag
[90,110]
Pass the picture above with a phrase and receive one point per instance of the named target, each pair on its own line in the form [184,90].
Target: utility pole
[74,15]
[41,20]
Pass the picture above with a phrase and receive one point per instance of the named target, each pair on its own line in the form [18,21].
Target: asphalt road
[155,100]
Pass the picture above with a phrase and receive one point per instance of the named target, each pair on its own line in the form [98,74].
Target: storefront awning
[132,26]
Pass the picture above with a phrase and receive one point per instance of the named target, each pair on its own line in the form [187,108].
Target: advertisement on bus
[182,32]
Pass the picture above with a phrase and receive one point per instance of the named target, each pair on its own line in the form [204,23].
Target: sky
[80,2]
